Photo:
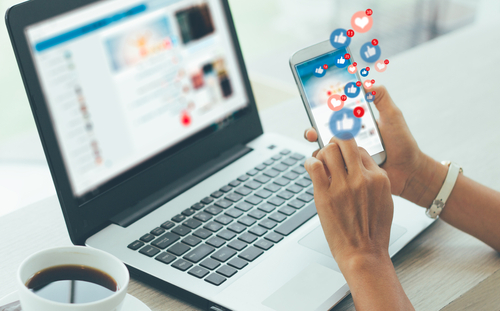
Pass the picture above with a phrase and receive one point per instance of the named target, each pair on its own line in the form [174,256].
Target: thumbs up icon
[340,39]
[319,70]
[346,124]
[341,60]
[370,51]
[352,90]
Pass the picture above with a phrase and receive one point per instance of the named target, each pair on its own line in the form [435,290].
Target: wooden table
[447,90]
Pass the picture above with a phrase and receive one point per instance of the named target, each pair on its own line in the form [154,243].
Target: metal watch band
[451,178]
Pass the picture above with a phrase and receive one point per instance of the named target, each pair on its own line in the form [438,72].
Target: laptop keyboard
[223,232]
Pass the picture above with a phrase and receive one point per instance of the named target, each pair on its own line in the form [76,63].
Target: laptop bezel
[85,220]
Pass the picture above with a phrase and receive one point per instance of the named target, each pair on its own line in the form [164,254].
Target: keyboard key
[191,240]
[237,245]
[260,167]
[182,265]
[237,263]
[233,197]
[285,151]
[280,167]
[253,184]
[223,254]
[287,210]
[223,204]
[268,162]
[276,157]
[213,226]
[214,210]
[207,200]
[296,221]
[291,175]
[165,240]
[297,156]
[200,252]
[274,237]
[247,221]
[296,204]
[266,207]
[235,183]
[264,244]
[147,237]
[188,212]
[215,279]
[167,225]
[236,227]
[223,219]
[226,234]
[268,224]
[257,214]
[181,230]
[234,213]
[247,237]
[276,201]
[243,191]
[192,223]
[277,217]
[262,179]
[166,258]
[272,187]
[210,263]
[216,242]
[253,200]
[258,230]
[197,206]
[226,271]
[310,191]
[149,251]
[135,245]
[252,172]
[263,193]
[244,206]
[202,216]
[178,249]
[305,197]
[303,182]
[299,170]
[202,233]
[251,253]
[282,181]
[157,231]
[217,194]
[226,189]
[289,161]
[271,173]
[285,195]
[198,272]
[294,188]
[243,178]
[179,218]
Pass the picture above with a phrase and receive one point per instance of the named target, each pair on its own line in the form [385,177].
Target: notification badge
[359,112]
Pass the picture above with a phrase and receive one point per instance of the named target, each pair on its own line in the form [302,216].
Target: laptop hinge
[144,207]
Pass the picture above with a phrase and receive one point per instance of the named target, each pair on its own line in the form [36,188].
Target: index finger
[350,153]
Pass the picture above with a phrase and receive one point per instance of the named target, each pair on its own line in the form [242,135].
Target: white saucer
[130,304]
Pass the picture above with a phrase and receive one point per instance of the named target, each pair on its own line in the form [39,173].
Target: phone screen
[320,84]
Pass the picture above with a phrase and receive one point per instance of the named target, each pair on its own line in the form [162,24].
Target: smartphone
[319,78]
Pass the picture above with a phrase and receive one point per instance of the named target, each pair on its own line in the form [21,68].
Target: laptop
[152,135]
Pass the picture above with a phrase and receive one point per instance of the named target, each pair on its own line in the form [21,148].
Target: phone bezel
[314,51]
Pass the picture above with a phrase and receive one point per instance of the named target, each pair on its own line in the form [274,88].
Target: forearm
[374,284]
[471,207]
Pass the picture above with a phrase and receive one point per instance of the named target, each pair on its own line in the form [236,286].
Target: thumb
[383,102]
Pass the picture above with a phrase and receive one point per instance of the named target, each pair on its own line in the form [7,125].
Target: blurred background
[269,32]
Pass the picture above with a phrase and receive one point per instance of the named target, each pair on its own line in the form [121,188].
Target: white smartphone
[318,84]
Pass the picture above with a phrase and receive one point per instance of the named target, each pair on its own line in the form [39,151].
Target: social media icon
[359,112]
[360,22]
[340,61]
[368,84]
[339,38]
[370,97]
[335,102]
[351,69]
[351,90]
[344,124]
[319,71]
[380,66]
[364,73]
[370,53]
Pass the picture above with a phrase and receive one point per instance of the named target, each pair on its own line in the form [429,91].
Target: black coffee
[72,284]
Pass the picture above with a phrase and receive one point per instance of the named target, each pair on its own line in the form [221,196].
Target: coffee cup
[90,261]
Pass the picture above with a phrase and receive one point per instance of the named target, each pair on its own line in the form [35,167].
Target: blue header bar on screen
[78,32]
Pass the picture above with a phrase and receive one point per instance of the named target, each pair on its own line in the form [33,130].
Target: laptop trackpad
[306,291]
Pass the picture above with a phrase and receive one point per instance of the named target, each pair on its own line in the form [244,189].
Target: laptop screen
[128,80]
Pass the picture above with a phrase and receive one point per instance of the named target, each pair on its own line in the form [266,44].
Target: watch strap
[451,178]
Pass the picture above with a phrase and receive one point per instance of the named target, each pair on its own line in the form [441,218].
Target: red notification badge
[358,84]
[347,56]
[369,12]
[350,33]
[359,112]
[343,98]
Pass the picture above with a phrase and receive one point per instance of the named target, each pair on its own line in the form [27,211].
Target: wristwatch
[451,178]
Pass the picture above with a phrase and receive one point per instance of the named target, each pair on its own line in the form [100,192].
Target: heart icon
[361,22]
[352,69]
[368,84]
[380,65]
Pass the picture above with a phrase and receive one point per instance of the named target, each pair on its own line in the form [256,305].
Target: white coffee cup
[72,255]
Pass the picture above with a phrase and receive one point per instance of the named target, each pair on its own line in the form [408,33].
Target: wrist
[364,264]
[424,184]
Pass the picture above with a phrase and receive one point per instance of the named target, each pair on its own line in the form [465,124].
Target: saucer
[130,303]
